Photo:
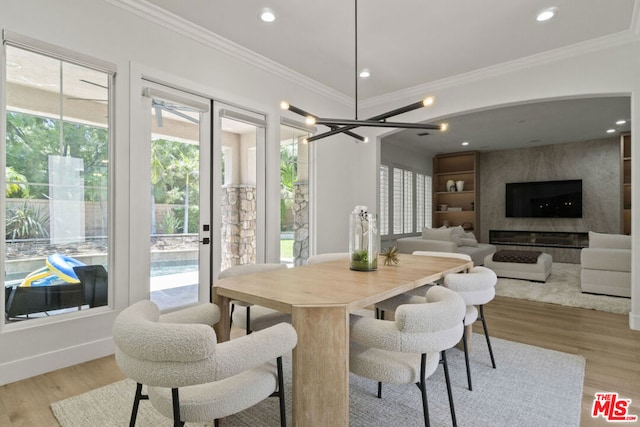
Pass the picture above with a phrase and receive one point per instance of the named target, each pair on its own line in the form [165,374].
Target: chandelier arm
[373,123]
[306,114]
[383,116]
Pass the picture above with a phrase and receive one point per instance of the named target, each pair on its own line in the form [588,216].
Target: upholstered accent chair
[408,349]
[392,303]
[477,288]
[254,317]
[189,376]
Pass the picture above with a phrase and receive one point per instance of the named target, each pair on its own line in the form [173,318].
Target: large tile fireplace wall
[596,162]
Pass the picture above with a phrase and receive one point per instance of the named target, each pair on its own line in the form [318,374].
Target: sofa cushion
[612,241]
[606,259]
[442,234]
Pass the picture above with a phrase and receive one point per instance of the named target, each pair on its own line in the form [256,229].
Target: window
[407,196]
[383,216]
[423,201]
[406,203]
[294,195]
[57,204]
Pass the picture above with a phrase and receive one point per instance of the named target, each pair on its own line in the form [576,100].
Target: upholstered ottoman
[526,265]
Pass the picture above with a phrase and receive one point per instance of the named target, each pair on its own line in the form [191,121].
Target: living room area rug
[562,287]
[531,386]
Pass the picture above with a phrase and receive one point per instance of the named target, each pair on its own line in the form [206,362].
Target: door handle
[205,241]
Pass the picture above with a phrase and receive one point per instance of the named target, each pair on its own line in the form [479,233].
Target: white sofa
[453,239]
[606,265]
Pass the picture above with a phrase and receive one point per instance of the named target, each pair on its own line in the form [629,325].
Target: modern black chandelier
[346,126]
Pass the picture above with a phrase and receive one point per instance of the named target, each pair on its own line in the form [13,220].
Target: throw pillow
[457,234]
[611,241]
[469,242]
[443,234]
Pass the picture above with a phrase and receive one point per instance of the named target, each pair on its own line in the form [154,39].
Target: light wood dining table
[319,298]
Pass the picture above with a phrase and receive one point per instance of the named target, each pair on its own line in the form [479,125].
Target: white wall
[601,69]
[105,30]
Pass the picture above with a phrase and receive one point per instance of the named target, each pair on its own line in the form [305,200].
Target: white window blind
[423,201]
[420,202]
[428,204]
[398,200]
[406,207]
[408,202]
[383,211]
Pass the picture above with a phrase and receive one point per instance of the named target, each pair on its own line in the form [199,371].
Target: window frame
[19,41]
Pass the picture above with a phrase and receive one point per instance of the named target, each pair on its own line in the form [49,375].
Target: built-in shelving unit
[625,151]
[465,203]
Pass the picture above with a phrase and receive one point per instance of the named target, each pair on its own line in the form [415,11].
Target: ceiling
[413,42]
[524,125]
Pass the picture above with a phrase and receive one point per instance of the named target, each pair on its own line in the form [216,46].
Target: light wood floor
[611,349]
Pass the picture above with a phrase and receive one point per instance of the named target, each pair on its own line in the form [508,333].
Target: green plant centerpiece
[363,240]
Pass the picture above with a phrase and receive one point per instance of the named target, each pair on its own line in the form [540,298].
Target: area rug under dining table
[531,386]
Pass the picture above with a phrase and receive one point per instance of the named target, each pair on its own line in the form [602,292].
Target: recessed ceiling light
[621,122]
[267,15]
[611,130]
[365,73]
[465,143]
[547,14]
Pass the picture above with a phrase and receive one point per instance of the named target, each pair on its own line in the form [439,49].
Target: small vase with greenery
[363,240]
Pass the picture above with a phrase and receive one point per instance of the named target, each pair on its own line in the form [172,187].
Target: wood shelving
[625,158]
[457,167]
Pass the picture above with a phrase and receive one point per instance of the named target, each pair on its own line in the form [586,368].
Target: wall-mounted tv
[544,199]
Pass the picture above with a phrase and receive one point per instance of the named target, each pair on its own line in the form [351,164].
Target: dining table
[320,298]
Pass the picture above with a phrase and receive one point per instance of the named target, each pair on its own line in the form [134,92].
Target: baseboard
[634,321]
[21,369]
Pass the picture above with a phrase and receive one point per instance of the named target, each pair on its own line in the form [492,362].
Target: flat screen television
[544,199]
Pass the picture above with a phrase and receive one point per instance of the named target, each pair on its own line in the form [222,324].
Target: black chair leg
[279,393]
[379,390]
[136,402]
[423,389]
[486,336]
[466,355]
[176,408]
[445,366]
[248,320]
[283,412]
[216,423]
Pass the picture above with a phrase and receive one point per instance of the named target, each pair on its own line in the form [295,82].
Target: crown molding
[419,91]
[159,16]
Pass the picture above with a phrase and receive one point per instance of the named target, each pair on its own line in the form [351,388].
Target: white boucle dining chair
[188,375]
[254,317]
[327,257]
[408,349]
[477,287]
[392,303]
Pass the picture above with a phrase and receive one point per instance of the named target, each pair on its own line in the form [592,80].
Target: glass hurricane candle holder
[363,240]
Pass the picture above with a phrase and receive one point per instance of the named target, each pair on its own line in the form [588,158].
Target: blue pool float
[58,267]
